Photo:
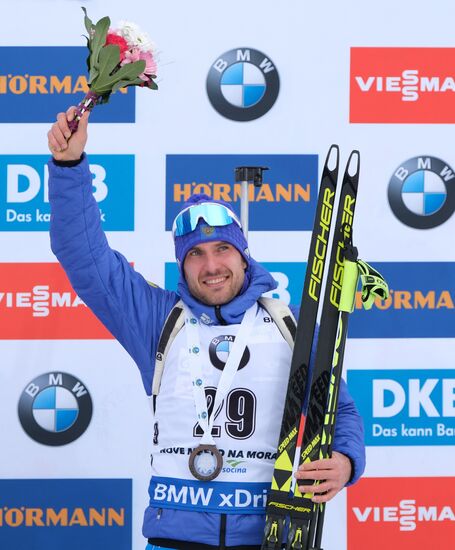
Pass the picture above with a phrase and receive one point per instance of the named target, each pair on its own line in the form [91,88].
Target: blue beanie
[205,233]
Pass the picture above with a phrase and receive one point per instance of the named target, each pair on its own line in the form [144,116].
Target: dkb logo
[405,407]
[25,205]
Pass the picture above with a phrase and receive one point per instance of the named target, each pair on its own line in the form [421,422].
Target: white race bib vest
[246,425]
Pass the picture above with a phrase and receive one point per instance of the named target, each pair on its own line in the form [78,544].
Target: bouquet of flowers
[118,58]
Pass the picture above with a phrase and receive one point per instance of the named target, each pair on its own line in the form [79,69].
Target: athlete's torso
[245,428]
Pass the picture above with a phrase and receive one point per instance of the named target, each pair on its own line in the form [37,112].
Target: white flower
[135,37]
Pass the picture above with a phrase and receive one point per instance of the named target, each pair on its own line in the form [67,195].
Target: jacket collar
[257,281]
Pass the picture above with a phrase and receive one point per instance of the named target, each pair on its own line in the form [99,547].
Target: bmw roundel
[422,192]
[55,408]
[220,348]
[243,84]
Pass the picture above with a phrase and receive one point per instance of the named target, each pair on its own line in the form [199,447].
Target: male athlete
[219,383]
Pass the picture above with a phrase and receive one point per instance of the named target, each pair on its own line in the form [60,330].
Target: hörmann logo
[65,513]
[402,85]
[286,200]
[25,205]
[421,306]
[38,302]
[63,517]
[403,407]
[409,512]
[38,82]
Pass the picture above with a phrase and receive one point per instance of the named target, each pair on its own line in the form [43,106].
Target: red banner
[402,85]
[37,302]
[401,513]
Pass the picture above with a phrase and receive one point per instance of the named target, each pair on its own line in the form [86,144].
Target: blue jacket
[134,312]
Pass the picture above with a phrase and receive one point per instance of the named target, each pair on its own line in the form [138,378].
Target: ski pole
[246,175]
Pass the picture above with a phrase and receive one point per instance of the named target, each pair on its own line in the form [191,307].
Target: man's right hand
[62,144]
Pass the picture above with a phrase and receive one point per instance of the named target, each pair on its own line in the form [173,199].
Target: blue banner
[419,306]
[421,303]
[285,202]
[37,82]
[24,203]
[52,514]
[405,407]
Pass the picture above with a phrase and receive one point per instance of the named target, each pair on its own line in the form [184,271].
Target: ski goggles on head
[212,213]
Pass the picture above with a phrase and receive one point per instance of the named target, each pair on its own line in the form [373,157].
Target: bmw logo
[55,408]
[219,350]
[422,192]
[243,84]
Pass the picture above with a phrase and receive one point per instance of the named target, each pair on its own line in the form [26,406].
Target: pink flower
[135,55]
[150,65]
[119,41]
[131,56]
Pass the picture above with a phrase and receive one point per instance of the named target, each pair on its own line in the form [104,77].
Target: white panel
[310,44]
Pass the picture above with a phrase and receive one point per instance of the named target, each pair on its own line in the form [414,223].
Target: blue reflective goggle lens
[213,214]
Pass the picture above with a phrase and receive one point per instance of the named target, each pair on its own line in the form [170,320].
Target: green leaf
[99,39]
[128,72]
[89,54]
[126,83]
[108,60]
[88,23]
[93,73]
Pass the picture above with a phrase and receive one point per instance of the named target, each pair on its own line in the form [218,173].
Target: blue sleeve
[349,431]
[130,308]
[349,434]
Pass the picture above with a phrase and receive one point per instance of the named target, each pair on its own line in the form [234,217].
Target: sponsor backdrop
[253,83]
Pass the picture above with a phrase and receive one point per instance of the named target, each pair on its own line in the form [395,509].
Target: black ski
[326,372]
[280,500]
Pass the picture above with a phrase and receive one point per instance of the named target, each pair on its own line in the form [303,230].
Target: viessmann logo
[25,204]
[402,85]
[38,82]
[38,302]
[410,513]
[285,202]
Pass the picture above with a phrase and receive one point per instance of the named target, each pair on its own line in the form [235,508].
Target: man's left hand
[332,474]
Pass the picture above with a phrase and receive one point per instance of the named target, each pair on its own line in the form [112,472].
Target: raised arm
[121,298]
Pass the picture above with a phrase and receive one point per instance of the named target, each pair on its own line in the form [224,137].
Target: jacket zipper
[219,316]
[223,532]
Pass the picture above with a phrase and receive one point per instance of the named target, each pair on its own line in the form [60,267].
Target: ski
[373,286]
[326,371]
[308,424]
[280,498]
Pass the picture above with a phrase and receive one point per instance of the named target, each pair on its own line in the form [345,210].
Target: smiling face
[214,272]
